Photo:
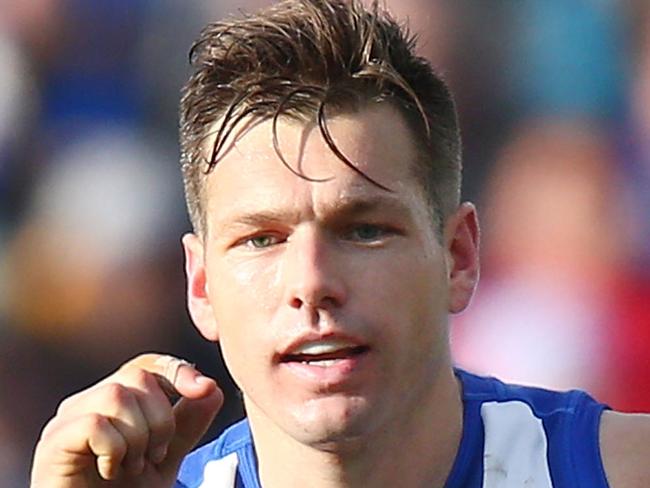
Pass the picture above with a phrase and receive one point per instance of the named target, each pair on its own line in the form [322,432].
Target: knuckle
[142,379]
[96,422]
[118,394]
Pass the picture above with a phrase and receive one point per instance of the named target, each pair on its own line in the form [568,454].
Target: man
[322,170]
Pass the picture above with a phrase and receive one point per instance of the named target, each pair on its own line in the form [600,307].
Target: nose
[314,276]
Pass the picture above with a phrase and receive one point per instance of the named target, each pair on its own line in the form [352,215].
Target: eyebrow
[358,206]
[347,207]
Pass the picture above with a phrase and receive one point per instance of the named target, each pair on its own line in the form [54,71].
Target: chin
[332,424]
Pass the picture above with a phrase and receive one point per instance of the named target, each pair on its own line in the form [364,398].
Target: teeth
[323,347]
[323,363]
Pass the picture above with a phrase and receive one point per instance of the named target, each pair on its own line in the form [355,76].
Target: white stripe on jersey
[515,453]
[220,472]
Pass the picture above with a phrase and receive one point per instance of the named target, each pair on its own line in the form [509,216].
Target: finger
[176,376]
[139,410]
[157,411]
[119,403]
[71,447]
[192,384]
[110,448]
[193,418]
[155,380]
[165,367]
[122,407]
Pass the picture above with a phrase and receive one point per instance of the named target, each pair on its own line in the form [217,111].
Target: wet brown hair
[307,59]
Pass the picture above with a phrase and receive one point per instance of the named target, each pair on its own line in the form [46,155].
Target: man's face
[329,298]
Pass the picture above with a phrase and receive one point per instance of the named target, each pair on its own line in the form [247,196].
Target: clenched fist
[125,431]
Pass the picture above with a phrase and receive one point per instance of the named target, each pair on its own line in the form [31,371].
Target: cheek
[242,289]
[409,298]
[405,282]
[242,298]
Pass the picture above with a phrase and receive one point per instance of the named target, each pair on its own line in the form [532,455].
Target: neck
[416,450]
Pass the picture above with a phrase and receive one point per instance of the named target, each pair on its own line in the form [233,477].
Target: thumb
[193,417]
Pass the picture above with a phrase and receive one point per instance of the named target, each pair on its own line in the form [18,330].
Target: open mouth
[324,352]
[324,358]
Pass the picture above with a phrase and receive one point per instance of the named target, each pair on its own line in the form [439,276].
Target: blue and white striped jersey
[513,437]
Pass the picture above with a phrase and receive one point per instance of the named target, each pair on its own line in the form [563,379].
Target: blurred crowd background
[554,99]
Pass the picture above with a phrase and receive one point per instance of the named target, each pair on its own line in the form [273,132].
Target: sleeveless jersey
[513,437]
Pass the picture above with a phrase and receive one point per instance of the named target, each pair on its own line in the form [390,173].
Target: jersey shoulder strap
[526,436]
[229,461]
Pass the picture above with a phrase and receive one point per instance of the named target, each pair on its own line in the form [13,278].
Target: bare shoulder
[625,449]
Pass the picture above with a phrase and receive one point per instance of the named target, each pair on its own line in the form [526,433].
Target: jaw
[342,437]
[328,422]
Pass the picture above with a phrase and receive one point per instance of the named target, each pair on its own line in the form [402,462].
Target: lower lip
[340,372]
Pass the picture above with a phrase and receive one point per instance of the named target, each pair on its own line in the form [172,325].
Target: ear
[198,301]
[462,243]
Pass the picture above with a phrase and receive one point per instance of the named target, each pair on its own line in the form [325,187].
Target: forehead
[376,140]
